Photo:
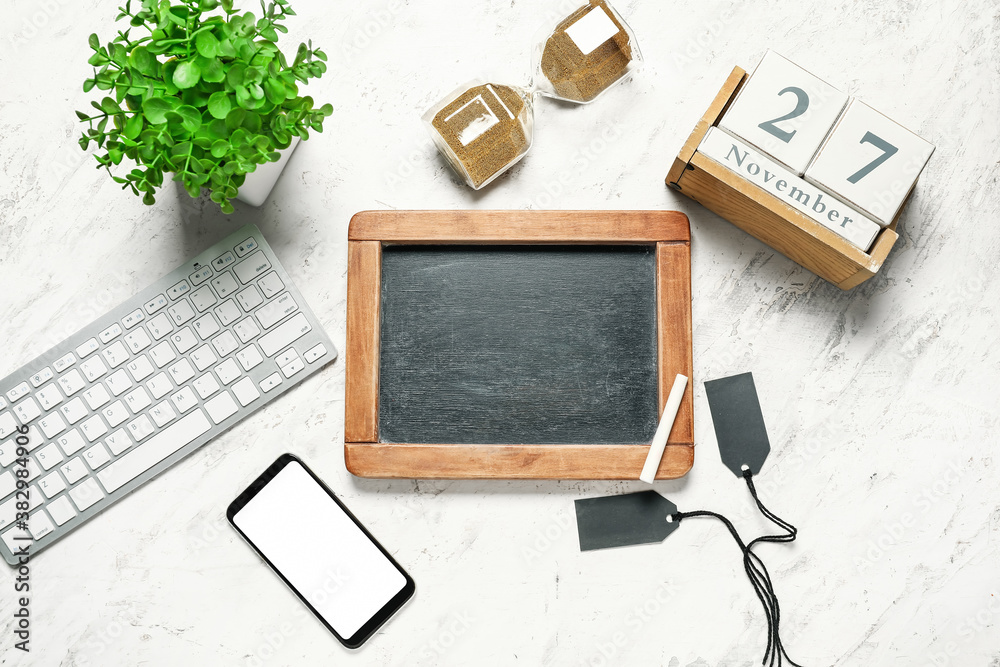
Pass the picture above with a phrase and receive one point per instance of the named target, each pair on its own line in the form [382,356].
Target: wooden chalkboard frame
[369,231]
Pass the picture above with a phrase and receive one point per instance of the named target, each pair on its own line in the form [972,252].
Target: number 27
[888,150]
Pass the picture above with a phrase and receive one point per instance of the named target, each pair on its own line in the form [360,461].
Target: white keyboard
[125,398]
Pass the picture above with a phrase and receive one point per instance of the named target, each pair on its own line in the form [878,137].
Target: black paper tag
[618,521]
[739,424]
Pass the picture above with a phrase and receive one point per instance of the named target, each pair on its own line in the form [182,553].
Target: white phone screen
[322,553]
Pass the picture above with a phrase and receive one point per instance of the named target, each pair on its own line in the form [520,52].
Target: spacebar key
[154,450]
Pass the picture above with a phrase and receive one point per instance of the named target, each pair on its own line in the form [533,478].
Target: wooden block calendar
[794,162]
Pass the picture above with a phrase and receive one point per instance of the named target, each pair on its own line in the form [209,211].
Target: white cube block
[871,161]
[784,111]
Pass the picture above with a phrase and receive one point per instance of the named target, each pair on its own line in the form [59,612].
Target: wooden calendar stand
[764,216]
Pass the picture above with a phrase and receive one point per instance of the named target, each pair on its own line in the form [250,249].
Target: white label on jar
[478,125]
[595,28]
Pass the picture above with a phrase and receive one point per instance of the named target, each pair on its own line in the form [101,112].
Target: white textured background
[881,403]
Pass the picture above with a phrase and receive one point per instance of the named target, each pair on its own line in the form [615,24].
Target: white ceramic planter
[259,182]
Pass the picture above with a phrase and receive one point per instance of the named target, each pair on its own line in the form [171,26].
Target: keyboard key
[277,310]
[314,353]
[18,391]
[49,396]
[203,357]
[119,382]
[116,354]
[184,340]
[286,357]
[247,246]
[162,354]
[271,284]
[159,447]
[49,457]
[181,313]
[159,326]
[270,382]
[35,439]
[94,427]
[33,472]
[60,510]
[110,333]
[225,343]
[96,456]
[93,368]
[224,284]
[162,414]
[41,377]
[7,424]
[246,329]
[228,312]
[52,424]
[133,318]
[159,386]
[140,428]
[13,538]
[227,371]
[74,411]
[137,400]
[140,368]
[88,347]
[39,525]
[52,484]
[118,441]
[71,443]
[221,407]
[8,452]
[252,267]
[7,484]
[293,367]
[155,304]
[85,494]
[137,341]
[72,382]
[206,385]
[201,275]
[181,372]
[115,414]
[73,470]
[97,396]
[203,298]
[64,362]
[206,326]
[184,400]
[284,334]
[249,298]
[179,290]
[245,392]
[27,410]
[249,357]
[221,262]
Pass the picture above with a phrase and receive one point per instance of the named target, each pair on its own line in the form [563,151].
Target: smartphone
[320,550]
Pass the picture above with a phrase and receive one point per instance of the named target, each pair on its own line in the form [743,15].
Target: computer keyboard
[136,391]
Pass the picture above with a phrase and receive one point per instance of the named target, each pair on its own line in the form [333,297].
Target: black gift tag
[739,424]
[618,521]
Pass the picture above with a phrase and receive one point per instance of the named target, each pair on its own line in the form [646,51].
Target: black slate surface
[518,344]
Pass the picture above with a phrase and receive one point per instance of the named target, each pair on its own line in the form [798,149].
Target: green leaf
[142,60]
[217,130]
[207,44]
[93,41]
[256,91]
[274,90]
[219,104]
[186,75]
[191,117]
[134,126]
[156,108]
[212,70]
[220,148]
[326,109]
[234,77]
[252,122]
[234,118]
[108,105]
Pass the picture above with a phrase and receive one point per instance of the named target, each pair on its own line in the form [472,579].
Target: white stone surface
[881,403]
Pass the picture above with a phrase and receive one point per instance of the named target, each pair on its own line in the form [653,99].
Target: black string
[757,572]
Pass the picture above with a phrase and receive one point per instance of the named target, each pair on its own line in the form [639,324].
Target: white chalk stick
[663,429]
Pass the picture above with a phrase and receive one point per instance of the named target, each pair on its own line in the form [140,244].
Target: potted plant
[202,94]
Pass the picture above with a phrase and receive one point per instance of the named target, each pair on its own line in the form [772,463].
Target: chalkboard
[518,344]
